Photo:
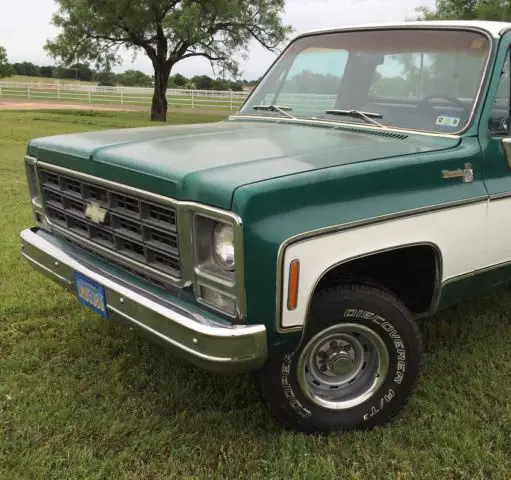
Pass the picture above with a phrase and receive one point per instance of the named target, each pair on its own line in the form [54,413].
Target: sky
[25,26]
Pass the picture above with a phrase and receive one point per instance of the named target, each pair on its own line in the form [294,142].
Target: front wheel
[358,363]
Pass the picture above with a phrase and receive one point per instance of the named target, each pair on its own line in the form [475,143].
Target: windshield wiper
[367,116]
[275,108]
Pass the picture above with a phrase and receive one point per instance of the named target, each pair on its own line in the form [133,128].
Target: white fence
[93,94]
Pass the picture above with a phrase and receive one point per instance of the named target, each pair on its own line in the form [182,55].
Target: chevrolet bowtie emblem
[95,213]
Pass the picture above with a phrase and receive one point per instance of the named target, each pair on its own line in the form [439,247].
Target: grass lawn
[81,398]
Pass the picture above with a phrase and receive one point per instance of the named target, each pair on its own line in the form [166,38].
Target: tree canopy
[167,31]
[499,10]
[134,78]
[129,78]
[6,70]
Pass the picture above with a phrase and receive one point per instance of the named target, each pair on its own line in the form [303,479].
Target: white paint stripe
[469,238]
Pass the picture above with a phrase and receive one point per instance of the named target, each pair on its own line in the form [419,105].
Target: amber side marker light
[292,290]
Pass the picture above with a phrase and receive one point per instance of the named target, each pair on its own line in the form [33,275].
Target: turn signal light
[292,291]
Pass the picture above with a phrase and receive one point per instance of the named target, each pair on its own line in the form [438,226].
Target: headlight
[217,263]
[223,246]
[215,248]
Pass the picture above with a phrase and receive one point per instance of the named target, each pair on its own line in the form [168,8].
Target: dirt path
[17,105]
[42,105]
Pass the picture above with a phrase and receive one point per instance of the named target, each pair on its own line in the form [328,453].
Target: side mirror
[499,126]
[504,125]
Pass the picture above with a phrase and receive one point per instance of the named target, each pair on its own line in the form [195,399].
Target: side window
[499,120]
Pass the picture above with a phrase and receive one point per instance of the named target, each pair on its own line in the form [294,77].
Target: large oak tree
[167,31]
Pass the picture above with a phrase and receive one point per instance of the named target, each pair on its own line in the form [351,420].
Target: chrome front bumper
[190,333]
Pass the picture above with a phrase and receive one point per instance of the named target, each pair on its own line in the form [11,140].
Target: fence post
[193,97]
[0,92]
[58,91]
[122,99]
[28,91]
[231,100]
[89,96]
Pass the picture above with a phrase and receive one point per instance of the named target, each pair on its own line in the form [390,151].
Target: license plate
[91,294]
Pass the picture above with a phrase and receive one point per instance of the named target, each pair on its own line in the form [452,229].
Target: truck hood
[207,162]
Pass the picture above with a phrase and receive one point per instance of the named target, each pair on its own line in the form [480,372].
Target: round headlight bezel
[222,229]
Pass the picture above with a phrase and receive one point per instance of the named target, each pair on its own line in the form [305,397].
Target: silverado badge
[95,213]
[467,174]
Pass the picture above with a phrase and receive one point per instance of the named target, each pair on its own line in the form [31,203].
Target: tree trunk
[159,103]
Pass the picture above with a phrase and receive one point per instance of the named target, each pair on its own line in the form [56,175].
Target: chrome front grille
[134,227]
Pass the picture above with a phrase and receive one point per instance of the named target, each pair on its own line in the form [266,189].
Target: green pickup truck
[365,182]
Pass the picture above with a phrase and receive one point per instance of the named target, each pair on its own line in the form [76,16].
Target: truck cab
[365,183]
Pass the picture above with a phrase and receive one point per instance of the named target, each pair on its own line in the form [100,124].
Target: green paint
[208,162]
[472,285]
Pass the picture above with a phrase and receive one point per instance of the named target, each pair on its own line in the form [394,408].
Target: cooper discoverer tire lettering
[357,364]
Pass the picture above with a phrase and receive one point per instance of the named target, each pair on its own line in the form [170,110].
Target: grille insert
[136,228]
[125,204]
[50,179]
[158,215]
[96,194]
[71,186]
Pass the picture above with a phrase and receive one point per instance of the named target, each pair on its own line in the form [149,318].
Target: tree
[134,78]
[46,71]
[6,70]
[179,80]
[77,71]
[167,31]
[499,10]
[82,71]
[106,78]
[26,68]
[202,82]
[236,86]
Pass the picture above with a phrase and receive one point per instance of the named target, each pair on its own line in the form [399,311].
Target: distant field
[62,81]
[83,398]
[111,96]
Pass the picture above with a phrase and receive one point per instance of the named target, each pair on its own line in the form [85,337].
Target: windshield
[416,79]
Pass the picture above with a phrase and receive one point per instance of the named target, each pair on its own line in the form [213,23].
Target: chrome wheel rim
[343,366]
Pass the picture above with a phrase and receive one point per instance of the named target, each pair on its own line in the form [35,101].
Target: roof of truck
[495,29]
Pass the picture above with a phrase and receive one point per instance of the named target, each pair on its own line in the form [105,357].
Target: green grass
[81,398]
